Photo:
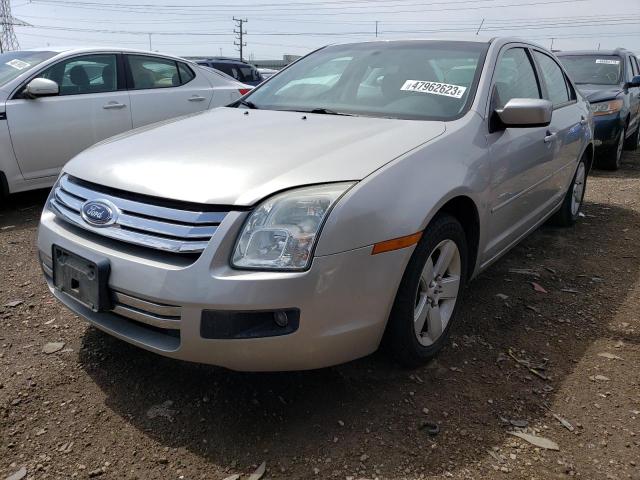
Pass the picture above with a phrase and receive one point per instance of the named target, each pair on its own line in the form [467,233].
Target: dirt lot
[101,408]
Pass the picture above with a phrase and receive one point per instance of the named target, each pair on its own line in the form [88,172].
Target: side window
[634,63]
[249,73]
[553,79]
[630,69]
[514,78]
[186,74]
[228,69]
[153,72]
[86,74]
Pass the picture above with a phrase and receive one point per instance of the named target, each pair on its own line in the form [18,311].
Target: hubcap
[437,292]
[578,189]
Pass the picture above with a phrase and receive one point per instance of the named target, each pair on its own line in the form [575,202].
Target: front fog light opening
[228,325]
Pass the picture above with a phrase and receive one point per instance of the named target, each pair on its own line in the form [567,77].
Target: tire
[632,142]
[572,203]
[610,159]
[417,298]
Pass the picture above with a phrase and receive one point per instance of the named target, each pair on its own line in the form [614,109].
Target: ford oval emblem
[99,213]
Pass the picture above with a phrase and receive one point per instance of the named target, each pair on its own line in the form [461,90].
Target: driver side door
[92,105]
[521,157]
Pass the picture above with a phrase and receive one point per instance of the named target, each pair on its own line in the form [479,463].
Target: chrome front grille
[150,313]
[140,220]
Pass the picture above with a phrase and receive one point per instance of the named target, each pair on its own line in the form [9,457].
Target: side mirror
[635,82]
[41,87]
[525,112]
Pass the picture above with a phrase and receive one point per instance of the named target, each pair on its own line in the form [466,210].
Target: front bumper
[607,130]
[344,299]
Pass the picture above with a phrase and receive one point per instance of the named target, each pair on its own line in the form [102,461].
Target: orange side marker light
[396,243]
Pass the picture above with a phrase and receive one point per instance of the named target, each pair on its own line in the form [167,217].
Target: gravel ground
[520,360]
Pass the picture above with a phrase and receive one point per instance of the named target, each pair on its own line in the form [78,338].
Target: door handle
[550,137]
[196,98]
[113,106]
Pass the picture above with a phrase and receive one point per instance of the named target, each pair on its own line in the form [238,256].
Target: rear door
[93,104]
[567,125]
[521,158]
[162,88]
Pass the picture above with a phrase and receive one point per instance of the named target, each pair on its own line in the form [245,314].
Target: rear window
[595,69]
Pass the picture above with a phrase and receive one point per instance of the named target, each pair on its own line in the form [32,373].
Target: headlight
[606,108]
[281,232]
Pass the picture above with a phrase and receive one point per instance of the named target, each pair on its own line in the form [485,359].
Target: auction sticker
[607,61]
[435,88]
[18,64]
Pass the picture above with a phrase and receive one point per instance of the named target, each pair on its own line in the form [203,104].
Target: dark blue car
[241,71]
[610,80]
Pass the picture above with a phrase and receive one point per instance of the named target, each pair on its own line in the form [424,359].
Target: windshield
[13,64]
[423,80]
[596,69]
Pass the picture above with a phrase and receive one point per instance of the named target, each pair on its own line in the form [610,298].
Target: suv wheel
[429,293]
[610,159]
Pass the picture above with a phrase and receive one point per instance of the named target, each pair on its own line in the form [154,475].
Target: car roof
[448,38]
[73,49]
[220,60]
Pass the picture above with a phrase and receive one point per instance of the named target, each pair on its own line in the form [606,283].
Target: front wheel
[429,293]
[570,209]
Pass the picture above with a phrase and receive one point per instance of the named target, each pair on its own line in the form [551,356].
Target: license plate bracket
[84,279]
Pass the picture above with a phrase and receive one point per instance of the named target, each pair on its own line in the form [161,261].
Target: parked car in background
[241,71]
[54,103]
[611,82]
[267,72]
[345,216]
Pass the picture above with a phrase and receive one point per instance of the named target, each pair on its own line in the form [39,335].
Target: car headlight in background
[606,108]
[281,232]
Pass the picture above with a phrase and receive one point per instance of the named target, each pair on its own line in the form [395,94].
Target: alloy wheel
[620,147]
[437,293]
[578,189]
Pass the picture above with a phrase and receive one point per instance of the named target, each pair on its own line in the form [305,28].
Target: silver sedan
[344,202]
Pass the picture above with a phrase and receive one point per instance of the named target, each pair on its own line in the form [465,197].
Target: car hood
[599,93]
[231,156]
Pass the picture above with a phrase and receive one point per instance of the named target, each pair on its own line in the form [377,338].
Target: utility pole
[551,48]
[481,23]
[150,48]
[240,33]
[8,39]
[598,46]
[377,28]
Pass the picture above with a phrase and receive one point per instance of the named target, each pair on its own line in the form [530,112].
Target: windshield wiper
[327,111]
[248,103]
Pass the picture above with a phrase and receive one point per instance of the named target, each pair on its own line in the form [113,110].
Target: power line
[303,10]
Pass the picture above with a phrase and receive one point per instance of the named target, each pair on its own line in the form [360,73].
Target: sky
[278,27]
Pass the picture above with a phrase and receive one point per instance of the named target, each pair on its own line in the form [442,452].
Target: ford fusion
[343,204]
